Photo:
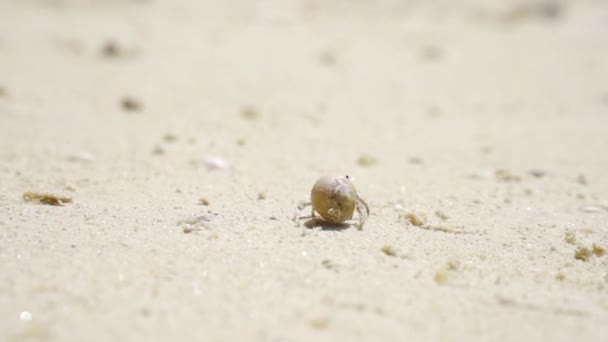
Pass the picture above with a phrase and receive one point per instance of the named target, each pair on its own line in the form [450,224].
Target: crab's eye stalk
[347,177]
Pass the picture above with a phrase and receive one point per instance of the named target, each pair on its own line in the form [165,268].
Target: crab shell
[334,198]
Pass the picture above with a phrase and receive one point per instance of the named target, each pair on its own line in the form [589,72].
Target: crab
[335,200]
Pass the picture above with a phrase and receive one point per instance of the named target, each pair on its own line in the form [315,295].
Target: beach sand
[186,134]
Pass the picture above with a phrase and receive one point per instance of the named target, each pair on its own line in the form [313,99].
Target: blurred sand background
[490,118]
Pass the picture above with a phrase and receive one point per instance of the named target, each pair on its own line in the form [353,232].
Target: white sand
[468,87]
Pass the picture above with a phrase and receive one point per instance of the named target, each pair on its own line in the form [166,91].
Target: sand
[487,120]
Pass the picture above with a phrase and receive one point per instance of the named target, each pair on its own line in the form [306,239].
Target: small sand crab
[335,199]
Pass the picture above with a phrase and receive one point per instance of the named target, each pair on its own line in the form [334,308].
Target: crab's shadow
[318,222]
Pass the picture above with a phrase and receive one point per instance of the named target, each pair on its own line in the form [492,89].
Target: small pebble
[453,265]
[431,53]
[550,9]
[250,113]
[110,49]
[189,229]
[25,316]
[506,176]
[366,160]
[582,180]
[416,218]
[83,157]
[131,104]
[114,50]
[583,254]
[570,238]
[169,138]
[537,173]
[415,160]
[216,163]
[328,264]
[194,224]
[598,250]
[320,323]
[388,250]
[441,277]
[443,216]
[327,58]
[44,198]
[157,151]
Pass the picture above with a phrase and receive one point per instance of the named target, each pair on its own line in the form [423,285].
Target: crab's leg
[298,211]
[297,217]
[363,211]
